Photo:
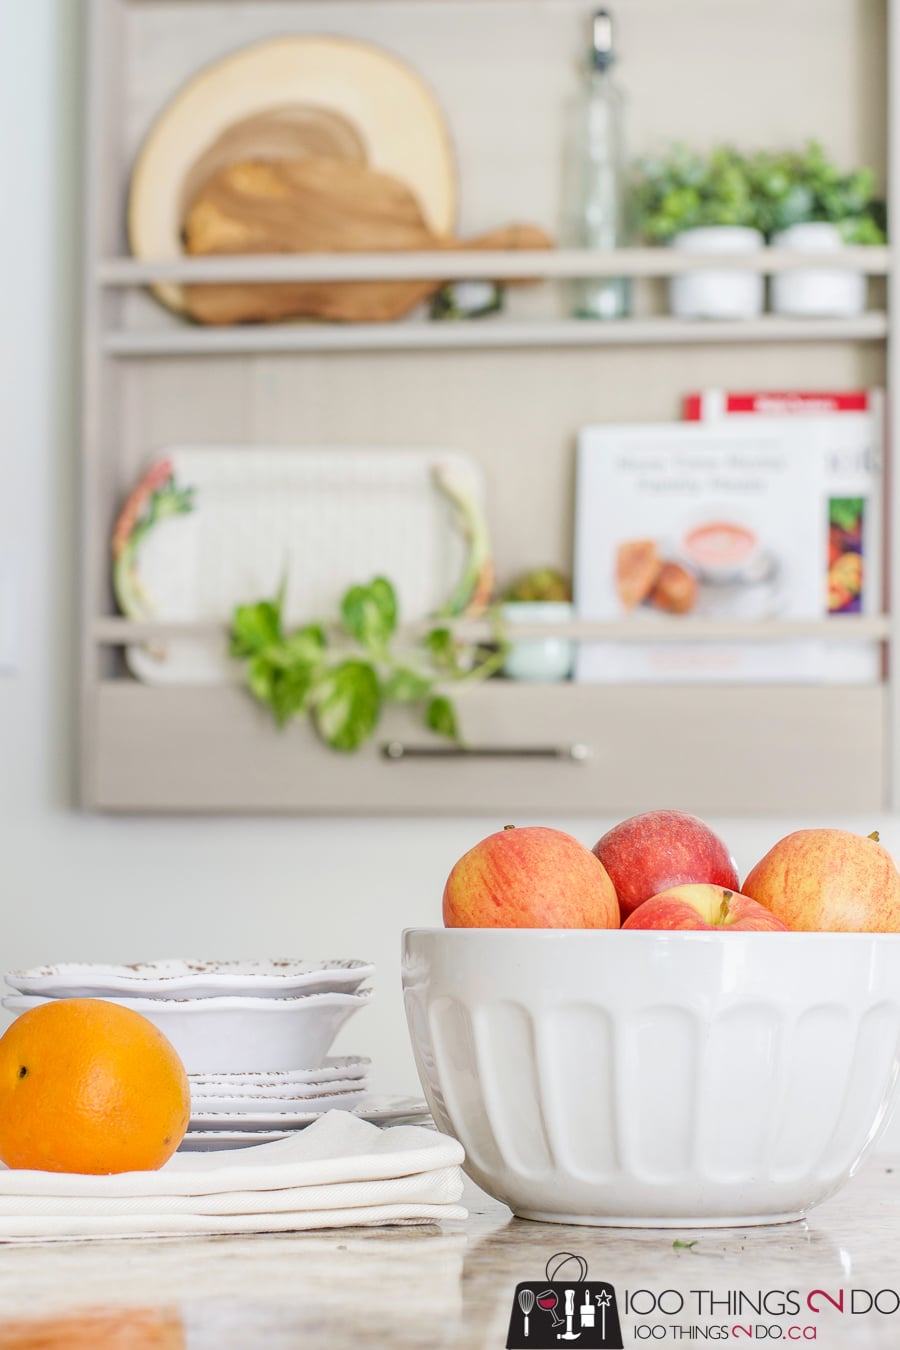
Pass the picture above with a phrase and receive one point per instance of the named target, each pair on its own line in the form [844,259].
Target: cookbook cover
[717,521]
[852,430]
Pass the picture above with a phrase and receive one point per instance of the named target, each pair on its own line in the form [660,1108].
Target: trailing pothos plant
[342,675]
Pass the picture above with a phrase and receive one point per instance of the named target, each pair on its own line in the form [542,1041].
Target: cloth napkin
[338,1172]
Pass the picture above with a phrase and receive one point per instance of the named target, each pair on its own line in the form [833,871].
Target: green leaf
[255,627]
[304,647]
[346,703]
[261,678]
[290,690]
[370,613]
[406,686]
[443,649]
[684,1246]
[440,717]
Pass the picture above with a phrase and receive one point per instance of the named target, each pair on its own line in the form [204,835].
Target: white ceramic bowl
[656,1079]
[224,1035]
[547,658]
[181,977]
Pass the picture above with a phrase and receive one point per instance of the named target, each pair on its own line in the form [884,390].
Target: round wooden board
[339,81]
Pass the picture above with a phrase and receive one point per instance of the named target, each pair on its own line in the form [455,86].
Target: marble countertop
[446,1287]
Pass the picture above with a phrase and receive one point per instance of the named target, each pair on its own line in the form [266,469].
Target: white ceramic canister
[715,293]
[547,659]
[816,294]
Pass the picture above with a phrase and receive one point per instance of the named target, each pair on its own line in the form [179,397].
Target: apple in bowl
[829,881]
[649,853]
[534,877]
[699,907]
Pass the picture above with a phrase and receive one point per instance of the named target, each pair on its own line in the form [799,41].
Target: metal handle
[577,753]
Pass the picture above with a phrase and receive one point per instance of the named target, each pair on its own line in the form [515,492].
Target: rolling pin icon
[569,1334]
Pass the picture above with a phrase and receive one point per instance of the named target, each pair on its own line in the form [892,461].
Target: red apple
[530,878]
[829,881]
[657,850]
[704,907]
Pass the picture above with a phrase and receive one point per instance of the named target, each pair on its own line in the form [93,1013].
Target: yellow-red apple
[829,881]
[699,906]
[530,878]
[657,850]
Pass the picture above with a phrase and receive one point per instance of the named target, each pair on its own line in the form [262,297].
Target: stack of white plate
[232,1109]
[253,1035]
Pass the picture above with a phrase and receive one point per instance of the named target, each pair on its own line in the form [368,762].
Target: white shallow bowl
[185,978]
[214,1035]
[656,1079]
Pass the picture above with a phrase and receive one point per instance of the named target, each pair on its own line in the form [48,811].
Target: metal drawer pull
[397,750]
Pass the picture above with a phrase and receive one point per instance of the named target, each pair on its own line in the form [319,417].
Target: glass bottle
[597,171]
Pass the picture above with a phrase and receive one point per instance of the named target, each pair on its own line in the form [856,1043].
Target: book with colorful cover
[853,422]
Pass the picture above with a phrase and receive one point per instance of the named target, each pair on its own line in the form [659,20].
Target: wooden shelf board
[484,333]
[709,747]
[464,265]
[117,632]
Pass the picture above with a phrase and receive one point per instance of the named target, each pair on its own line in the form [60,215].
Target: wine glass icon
[548,1301]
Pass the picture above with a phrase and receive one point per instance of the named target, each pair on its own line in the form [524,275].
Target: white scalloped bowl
[192,978]
[656,1079]
[227,1035]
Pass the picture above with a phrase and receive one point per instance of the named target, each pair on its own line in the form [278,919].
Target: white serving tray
[320,520]
[185,978]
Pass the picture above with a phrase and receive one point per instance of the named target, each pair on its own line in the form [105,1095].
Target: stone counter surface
[453,1286]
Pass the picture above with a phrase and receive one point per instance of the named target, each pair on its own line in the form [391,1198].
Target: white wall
[77,887]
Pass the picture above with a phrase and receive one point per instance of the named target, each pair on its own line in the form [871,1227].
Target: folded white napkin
[340,1171]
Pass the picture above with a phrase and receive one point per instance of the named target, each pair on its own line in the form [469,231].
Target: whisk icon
[526,1303]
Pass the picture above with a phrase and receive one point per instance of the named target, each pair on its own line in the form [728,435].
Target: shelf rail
[111,631]
[461,264]
[494,332]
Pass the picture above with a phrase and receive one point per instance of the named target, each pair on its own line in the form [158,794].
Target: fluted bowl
[656,1079]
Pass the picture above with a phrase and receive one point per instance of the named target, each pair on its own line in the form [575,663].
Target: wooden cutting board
[318,205]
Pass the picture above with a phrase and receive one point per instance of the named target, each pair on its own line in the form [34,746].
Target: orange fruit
[88,1086]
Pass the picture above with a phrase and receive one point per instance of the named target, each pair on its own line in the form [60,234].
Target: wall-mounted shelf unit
[511,389]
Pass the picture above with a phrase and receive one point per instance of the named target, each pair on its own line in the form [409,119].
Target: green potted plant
[806,202]
[703,204]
